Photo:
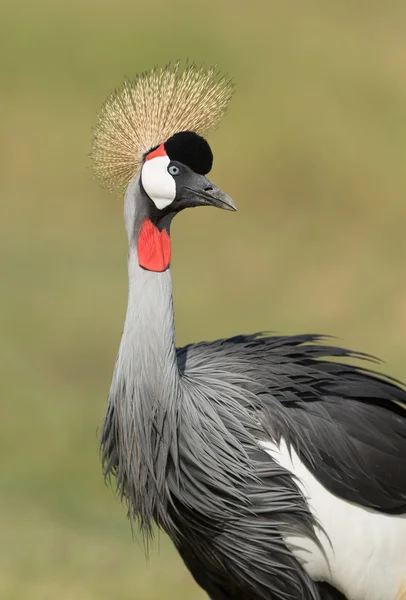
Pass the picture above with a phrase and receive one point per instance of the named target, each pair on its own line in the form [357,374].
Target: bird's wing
[347,423]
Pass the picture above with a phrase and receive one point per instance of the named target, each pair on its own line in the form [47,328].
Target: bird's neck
[147,355]
[139,434]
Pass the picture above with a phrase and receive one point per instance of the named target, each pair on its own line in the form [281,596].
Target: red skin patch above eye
[154,247]
[160,151]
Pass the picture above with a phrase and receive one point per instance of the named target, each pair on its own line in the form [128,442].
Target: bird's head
[150,139]
[173,175]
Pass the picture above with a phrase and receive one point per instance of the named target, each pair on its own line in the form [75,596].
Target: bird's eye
[173,170]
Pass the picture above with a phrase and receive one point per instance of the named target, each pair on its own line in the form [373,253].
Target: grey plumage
[183,451]
[186,430]
[181,437]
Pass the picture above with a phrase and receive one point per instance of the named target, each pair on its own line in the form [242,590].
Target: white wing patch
[157,182]
[365,550]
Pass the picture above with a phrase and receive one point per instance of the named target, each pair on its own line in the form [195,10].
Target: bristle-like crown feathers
[147,111]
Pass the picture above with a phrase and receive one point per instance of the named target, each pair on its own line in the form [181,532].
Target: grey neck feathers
[139,432]
[147,356]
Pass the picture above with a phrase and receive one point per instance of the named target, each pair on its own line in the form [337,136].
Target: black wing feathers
[347,423]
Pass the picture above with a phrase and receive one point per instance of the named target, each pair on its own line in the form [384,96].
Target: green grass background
[313,151]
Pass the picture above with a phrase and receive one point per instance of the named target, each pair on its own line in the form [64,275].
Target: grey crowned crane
[277,469]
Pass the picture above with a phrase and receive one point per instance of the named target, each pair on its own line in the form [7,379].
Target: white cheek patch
[157,182]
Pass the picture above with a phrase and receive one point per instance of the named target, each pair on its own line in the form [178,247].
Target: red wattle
[154,247]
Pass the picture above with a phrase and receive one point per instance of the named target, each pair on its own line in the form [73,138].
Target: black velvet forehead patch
[191,150]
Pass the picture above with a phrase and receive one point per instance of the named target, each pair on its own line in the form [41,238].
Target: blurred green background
[313,151]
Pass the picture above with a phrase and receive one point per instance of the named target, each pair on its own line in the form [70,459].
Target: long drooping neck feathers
[139,433]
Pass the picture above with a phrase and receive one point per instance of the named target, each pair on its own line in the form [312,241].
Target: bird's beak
[205,193]
[216,197]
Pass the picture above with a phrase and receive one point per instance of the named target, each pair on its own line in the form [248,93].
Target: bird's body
[278,472]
